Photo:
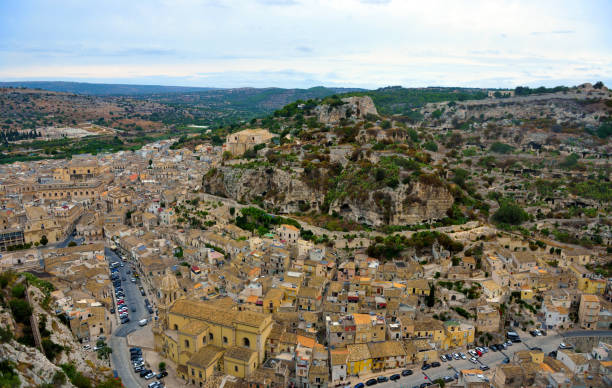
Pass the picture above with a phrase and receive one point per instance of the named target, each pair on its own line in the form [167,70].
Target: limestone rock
[352,108]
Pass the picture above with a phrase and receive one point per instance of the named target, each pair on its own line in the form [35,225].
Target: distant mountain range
[101,89]
[136,90]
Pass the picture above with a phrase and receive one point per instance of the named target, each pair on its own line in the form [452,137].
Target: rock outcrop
[279,189]
[284,192]
[351,108]
[408,204]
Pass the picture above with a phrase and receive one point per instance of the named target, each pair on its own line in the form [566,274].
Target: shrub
[510,213]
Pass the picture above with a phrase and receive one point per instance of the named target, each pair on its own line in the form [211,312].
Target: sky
[305,43]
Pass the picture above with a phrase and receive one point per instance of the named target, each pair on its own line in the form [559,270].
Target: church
[204,337]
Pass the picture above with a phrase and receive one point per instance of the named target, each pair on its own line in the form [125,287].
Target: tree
[598,85]
[21,310]
[72,244]
[385,124]
[44,240]
[431,298]
[510,213]
[162,366]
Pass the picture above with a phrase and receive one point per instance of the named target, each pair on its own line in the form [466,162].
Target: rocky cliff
[407,204]
[279,189]
[285,192]
[351,108]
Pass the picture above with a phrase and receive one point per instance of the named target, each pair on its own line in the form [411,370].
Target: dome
[169,282]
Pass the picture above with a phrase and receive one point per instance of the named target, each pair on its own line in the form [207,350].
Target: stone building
[240,142]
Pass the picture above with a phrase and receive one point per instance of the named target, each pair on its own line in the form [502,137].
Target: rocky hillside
[60,361]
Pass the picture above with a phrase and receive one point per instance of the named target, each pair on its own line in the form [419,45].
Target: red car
[120,301]
[479,353]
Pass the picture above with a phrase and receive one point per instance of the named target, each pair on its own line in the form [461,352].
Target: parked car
[435,364]
[162,374]
[426,366]
[359,385]
[456,356]
[473,360]
[563,345]
[447,379]
[150,375]
[144,372]
[484,367]
[479,353]
[87,347]
[406,372]
[395,377]
[463,356]
[493,348]
[371,382]
[382,379]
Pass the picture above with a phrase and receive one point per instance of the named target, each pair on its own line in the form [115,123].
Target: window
[204,340]
[224,340]
[235,368]
[246,342]
[186,343]
[192,372]
[175,326]
[210,336]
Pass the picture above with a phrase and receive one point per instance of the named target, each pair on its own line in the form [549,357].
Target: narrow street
[120,357]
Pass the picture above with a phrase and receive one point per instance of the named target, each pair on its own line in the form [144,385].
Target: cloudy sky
[303,43]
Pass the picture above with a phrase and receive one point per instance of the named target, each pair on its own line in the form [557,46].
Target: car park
[371,382]
[394,377]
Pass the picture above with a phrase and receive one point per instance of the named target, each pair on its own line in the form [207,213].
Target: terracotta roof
[358,352]
[386,349]
[206,356]
[239,353]
[210,313]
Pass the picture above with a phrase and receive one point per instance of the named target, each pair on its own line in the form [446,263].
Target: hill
[99,89]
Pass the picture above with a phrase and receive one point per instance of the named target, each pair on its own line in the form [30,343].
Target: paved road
[588,333]
[492,359]
[120,355]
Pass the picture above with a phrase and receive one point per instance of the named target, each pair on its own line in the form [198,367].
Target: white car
[463,356]
[87,347]
[474,360]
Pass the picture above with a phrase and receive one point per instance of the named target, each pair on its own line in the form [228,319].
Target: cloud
[304,49]
[376,2]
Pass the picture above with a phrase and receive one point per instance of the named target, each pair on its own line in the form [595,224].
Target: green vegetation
[257,220]
[8,376]
[501,148]
[526,91]
[510,213]
[76,378]
[391,246]
[399,100]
